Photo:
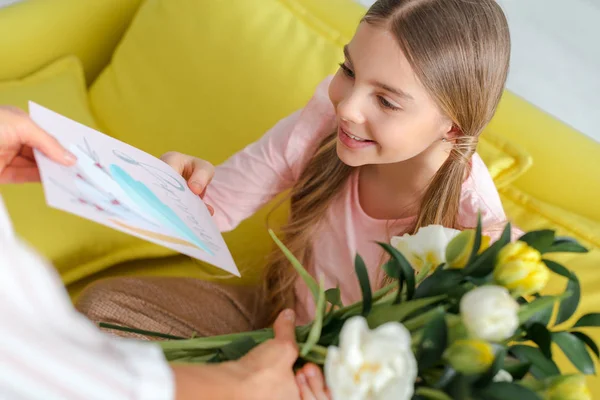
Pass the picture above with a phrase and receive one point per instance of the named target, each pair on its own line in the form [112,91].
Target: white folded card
[127,189]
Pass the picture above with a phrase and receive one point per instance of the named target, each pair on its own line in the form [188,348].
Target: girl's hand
[311,383]
[198,173]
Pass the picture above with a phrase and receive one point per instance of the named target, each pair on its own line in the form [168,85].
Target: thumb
[282,350]
[285,326]
[37,138]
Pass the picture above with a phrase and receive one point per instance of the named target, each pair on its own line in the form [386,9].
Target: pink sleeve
[481,196]
[254,176]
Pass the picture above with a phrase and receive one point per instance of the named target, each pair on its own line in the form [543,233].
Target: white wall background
[555,57]
[7,2]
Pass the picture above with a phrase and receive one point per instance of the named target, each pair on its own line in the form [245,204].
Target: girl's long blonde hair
[460,51]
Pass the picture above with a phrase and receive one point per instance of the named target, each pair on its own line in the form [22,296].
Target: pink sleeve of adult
[255,175]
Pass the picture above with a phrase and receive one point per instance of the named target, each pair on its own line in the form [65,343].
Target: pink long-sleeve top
[264,169]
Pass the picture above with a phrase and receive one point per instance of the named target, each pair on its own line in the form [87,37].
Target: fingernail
[196,185]
[310,372]
[289,314]
[70,157]
[301,379]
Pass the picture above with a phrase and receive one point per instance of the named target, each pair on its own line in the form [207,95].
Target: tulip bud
[568,387]
[470,356]
[520,269]
[489,313]
[503,376]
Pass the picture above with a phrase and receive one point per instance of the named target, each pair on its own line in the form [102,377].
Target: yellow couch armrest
[34,33]
[566,163]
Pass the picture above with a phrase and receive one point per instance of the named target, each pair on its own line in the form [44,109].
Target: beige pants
[177,306]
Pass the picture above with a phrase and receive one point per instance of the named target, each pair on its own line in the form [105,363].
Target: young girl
[384,147]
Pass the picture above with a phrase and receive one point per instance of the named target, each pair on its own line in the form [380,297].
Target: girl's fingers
[305,391]
[201,174]
[316,381]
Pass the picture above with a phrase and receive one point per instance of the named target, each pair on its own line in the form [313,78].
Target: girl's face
[384,113]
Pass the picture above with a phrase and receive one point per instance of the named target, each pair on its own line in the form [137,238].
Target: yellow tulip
[470,356]
[459,249]
[569,387]
[520,269]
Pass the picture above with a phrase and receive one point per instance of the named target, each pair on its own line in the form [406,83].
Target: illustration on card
[124,201]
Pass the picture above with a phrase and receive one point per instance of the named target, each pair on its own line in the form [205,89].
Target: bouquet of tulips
[463,319]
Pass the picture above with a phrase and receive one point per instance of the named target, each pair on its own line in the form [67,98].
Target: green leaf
[517,369]
[438,283]
[543,316]
[569,305]
[477,242]
[433,343]
[566,245]
[592,319]
[380,314]
[557,268]
[310,282]
[588,341]
[237,349]
[447,377]
[575,351]
[541,336]
[459,387]
[365,285]
[334,297]
[392,269]
[507,390]
[317,326]
[541,367]
[143,332]
[407,270]
[484,264]
[497,365]
[528,311]
[540,240]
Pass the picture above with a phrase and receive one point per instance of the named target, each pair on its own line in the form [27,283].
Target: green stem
[420,320]
[320,350]
[423,273]
[432,394]
[214,342]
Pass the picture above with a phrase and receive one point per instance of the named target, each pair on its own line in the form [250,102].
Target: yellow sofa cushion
[33,33]
[60,86]
[77,247]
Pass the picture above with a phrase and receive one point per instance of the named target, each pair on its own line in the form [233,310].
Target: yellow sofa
[209,77]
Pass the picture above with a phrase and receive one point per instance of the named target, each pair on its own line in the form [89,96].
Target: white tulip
[371,365]
[427,247]
[490,313]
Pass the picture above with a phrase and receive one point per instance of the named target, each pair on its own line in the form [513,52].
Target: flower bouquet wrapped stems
[462,319]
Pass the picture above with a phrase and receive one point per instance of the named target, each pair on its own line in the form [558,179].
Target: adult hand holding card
[117,185]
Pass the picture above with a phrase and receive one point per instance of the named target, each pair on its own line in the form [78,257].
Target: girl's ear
[453,132]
